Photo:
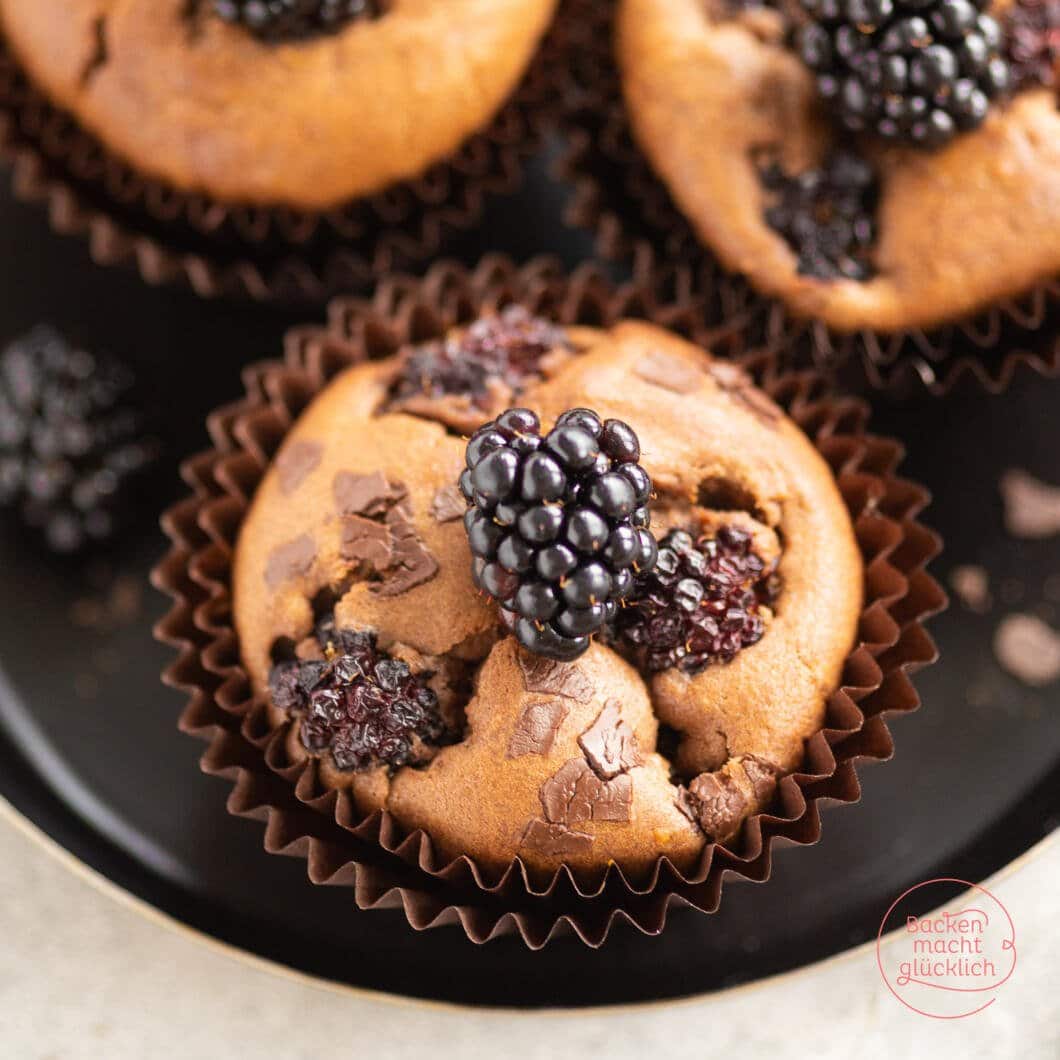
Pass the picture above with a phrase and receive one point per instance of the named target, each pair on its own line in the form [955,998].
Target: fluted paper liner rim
[617,196]
[264,253]
[343,848]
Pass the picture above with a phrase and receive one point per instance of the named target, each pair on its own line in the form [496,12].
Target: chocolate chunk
[1032,508]
[610,745]
[553,678]
[535,731]
[671,373]
[740,387]
[763,778]
[555,840]
[296,462]
[1028,649]
[369,495]
[367,541]
[448,505]
[290,561]
[577,794]
[717,803]
[411,565]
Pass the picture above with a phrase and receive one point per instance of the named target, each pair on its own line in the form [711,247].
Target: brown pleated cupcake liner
[265,253]
[344,847]
[618,197]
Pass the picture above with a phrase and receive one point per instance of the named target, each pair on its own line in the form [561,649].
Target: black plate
[90,751]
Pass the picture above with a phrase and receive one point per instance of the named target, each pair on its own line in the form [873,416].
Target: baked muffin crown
[556,763]
[860,232]
[312,123]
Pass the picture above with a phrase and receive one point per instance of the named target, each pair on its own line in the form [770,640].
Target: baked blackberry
[358,704]
[701,604]
[507,347]
[293,19]
[1032,43]
[914,71]
[71,439]
[558,525]
[827,215]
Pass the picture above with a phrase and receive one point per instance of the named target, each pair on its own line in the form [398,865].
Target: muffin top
[879,188]
[307,112]
[360,621]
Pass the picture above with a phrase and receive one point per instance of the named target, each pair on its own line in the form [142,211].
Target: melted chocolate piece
[371,495]
[535,731]
[576,794]
[740,387]
[763,778]
[670,373]
[366,541]
[296,462]
[412,563]
[554,678]
[378,530]
[715,803]
[555,840]
[609,744]
[290,561]
[448,505]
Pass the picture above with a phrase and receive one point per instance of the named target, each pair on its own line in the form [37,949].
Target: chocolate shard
[412,564]
[763,777]
[535,731]
[554,678]
[740,387]
[610,745]
[290,561]
[448,505]
[576,794]
[664,370]
[555,840]
[716,803]
[370,494]
[367,541]
[296,462]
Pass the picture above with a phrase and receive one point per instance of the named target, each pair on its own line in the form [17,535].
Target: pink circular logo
[947,965]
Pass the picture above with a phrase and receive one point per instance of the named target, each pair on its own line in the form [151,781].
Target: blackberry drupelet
[506,347]
[357,703]
[701,605]
[1032,42]
[275,20]
[914,71]
[558,525]
[827,215]
[70,439]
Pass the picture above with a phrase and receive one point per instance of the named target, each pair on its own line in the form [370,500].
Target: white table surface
[86,972]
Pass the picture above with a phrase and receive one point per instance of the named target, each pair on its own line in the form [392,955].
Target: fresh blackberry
[700,605]
[914,71]
[294,19]
[70,440]
[357,703]
[507,347]
[827,215]
[1032,43]
[558,525]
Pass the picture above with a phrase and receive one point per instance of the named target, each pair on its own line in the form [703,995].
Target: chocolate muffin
[882,165]
[302,103]
[367,619]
